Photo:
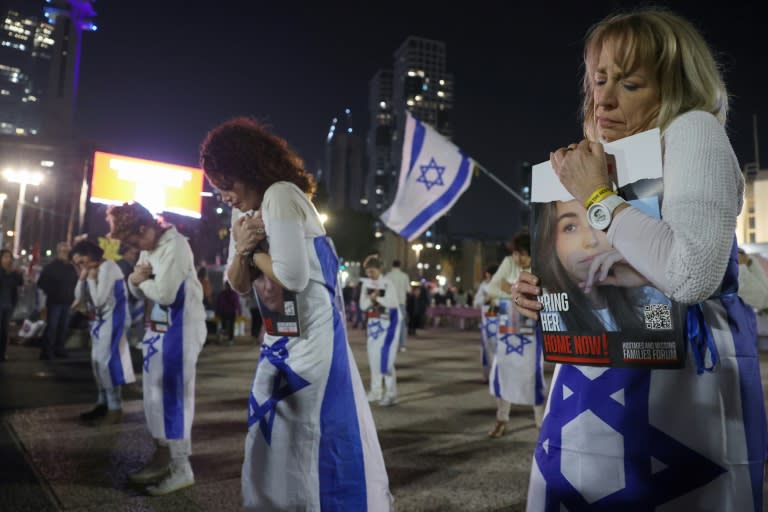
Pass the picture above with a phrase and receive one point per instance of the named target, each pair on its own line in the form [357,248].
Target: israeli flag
[433,175]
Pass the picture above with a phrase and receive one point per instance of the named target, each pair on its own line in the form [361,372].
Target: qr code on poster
[657,316]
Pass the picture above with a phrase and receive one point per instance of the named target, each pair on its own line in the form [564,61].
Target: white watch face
[599,216]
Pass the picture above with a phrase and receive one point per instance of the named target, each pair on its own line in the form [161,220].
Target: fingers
[525,292]
[600,266]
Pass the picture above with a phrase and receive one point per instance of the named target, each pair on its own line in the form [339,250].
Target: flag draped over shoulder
[433,175]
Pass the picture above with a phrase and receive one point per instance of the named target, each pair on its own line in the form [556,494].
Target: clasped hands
[247,232]
[141,272]
[581,168]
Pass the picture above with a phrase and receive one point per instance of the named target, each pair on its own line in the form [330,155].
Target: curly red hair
[242,149]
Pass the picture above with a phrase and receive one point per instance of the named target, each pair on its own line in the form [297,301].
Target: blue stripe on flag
[393,320]
[118,329]
[340,466]
[173,369]
[742,317]
[419,134]
[442,202]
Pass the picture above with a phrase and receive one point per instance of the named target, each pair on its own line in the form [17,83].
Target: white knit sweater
[685,253]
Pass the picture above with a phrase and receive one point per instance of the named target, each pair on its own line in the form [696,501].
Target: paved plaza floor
[437,454]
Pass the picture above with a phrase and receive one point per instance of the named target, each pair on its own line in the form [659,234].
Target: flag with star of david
[433,174]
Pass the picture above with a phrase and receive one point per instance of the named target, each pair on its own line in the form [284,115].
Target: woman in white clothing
[311,442]
[102,289]
[165,274]
[692,438]
[378,299]
[516,374]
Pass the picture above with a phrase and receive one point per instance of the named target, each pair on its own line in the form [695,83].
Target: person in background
[311,442]
[516,376]
[359,319]
[228,309]
[461,297]
[419,299]
[753,283]
[402,284]
[202,276]
[128,260]
[165,275]
[10,281]
[57,280]
[102,289]
[489,324]
[135,328]
[256,321]
[692,438]
[753,288]
[379,301]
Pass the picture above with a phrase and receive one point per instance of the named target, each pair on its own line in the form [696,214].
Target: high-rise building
[420,83]
[344,172]
[379,140]
[752,223]
[26,46]
[39,66]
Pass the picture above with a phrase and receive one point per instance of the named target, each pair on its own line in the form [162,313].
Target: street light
[23,178]
[417,249]
[3,197]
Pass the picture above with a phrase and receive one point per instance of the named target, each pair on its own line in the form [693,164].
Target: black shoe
[61,354]
[97,412]
[45,356]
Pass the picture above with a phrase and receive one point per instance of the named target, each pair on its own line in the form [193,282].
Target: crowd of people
[311,441]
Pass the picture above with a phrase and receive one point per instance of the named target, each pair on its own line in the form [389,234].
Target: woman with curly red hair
[311,442]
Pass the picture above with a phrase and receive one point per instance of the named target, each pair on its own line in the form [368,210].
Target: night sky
[157,75]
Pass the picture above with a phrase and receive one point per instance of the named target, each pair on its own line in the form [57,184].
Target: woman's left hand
[581,168]
[610,268]
[93,272]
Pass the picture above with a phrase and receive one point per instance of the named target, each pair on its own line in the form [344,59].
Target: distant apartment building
[752,223]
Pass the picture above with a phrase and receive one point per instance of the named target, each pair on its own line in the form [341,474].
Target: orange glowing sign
[160,187]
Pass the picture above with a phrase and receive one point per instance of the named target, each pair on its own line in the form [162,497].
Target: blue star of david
[96,327]
[685,469]
[375,329]
[510,346]
[285,383]
[151,350]
[424,169]
[491,326]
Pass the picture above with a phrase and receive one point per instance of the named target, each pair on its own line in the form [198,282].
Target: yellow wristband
[598,195]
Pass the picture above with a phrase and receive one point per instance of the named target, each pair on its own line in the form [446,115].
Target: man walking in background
[57,281]
[402,287]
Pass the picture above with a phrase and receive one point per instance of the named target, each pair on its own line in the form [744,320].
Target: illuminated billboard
[160,187]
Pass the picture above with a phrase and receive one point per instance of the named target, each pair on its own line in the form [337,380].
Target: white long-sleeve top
[685,253]
[173,265]
[507,271]
[100,295]
[388,299]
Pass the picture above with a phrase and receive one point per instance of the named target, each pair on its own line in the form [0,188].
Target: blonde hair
[684,66]
[127,219]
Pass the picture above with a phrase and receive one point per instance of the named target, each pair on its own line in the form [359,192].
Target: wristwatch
[600,214]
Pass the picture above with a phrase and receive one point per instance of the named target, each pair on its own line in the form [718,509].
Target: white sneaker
[387,401]
[374,397]
[403,349]
[179,477]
